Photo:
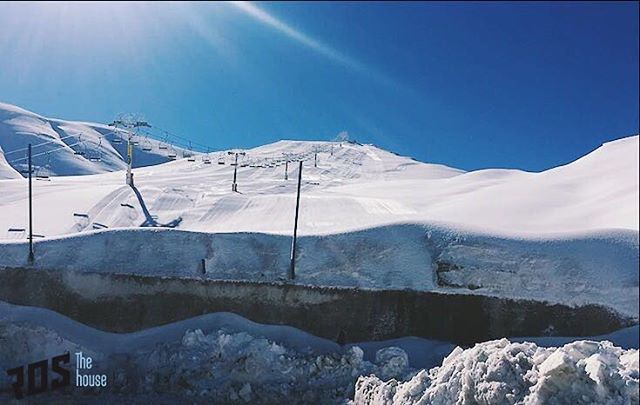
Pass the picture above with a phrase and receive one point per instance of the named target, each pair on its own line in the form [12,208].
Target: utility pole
[31,257]
[234,185]
[292,264]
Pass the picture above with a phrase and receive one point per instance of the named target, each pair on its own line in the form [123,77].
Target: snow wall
[126,303]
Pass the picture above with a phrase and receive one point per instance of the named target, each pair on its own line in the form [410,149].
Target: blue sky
[470,85]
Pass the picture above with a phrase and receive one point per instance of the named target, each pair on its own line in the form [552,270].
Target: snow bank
[501,372]
[598,268]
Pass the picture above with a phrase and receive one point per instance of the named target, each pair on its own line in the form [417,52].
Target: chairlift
[172,155]
[96,156]
[146,145]
[41,175]
[80,143]
[189,155]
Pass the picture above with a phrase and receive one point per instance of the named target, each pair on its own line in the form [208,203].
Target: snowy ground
[225,358]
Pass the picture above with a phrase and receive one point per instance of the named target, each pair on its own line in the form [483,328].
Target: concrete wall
[126,303]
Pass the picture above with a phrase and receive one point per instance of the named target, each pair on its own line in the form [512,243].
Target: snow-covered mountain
[69,147]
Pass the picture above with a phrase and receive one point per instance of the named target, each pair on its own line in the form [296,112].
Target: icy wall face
[500,372]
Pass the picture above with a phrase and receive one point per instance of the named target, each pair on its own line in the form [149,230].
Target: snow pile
[222,358]
[516,373]
[235,361]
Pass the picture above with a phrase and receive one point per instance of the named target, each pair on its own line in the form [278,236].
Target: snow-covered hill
[70,148]
[353,187]
[6,171]
[368,218]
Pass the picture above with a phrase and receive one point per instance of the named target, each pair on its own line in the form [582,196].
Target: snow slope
[6,171]
[70,148]
[369,218]
[358,187]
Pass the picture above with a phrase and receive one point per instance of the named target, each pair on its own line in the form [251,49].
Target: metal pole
[30,212]
[292,265]
[234,186]
[286,170]
[129,160]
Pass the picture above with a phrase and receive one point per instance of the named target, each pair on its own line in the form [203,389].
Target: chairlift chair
[40,174]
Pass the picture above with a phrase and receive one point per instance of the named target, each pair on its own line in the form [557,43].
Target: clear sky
[470,85]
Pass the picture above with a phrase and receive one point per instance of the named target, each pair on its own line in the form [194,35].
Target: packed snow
[222,357]
[595,269]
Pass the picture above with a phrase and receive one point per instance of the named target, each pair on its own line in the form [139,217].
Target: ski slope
[356,187]
[64,148]
[368,218]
